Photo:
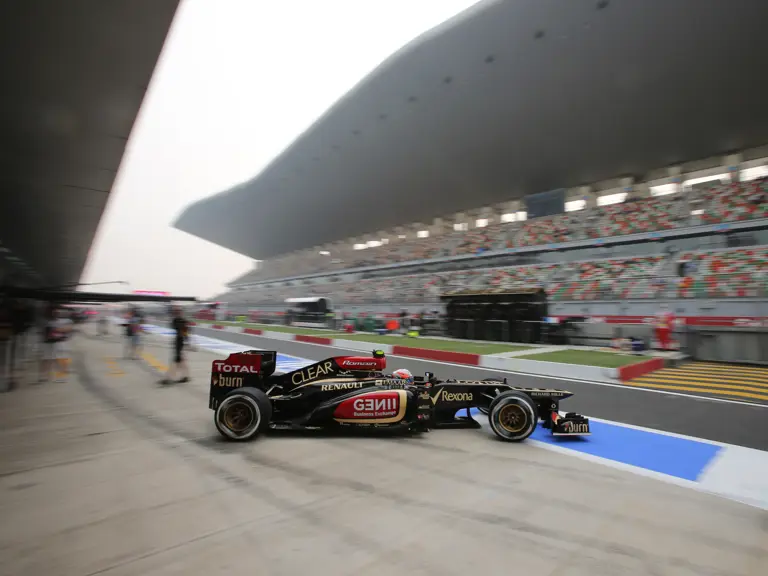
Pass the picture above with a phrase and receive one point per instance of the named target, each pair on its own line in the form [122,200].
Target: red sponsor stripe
[312,339]
[254,331]
[641,368]
[439,355]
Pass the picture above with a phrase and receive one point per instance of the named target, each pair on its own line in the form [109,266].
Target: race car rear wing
[260,362]
[238,370]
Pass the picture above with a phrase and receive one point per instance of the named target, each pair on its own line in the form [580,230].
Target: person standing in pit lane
[55,355]
[180,327]
[664,323]
[133,330]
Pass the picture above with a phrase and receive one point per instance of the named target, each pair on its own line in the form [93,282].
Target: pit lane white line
[730,474]
[594,383]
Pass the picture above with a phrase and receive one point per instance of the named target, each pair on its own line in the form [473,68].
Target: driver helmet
[403,374]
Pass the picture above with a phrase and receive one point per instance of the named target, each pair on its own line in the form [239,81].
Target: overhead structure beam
[509,99]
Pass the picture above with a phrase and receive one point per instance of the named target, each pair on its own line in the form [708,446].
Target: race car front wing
[571,424]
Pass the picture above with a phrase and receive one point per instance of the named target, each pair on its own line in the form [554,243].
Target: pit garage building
[74,75]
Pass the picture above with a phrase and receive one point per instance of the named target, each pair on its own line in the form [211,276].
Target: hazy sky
[237,82]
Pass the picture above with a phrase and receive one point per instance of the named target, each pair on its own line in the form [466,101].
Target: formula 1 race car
[249,397]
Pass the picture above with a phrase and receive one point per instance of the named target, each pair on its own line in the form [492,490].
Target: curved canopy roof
[74,74]
[507,99]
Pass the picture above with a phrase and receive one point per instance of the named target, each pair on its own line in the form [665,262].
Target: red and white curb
[538,367]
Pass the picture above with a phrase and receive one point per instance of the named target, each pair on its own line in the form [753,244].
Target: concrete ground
[110,473]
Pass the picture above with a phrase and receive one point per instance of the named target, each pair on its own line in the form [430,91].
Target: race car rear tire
[512,416]
[243,414]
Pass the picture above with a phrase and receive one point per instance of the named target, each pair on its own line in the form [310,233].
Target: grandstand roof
[508,98]
[73,77]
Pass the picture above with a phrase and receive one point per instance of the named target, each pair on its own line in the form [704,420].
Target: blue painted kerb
[678,457]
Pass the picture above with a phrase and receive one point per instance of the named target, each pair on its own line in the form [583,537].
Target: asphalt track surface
[746,383]
[731,423]
[111,473]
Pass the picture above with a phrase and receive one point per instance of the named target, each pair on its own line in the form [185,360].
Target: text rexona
[446,396]
[224,367]
[312,372]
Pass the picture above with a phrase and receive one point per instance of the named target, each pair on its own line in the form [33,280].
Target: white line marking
[716,479]
[739,473]
[662,432]
[593,382]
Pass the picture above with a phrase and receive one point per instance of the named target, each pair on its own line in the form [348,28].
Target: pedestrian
[180,327]
[664,322]
[56,332]
[133,329]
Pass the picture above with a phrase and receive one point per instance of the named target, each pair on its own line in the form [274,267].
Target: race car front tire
[512,416]
[483,409]
[243,414]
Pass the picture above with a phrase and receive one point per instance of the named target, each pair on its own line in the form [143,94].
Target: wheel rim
[238,417]
[512,418]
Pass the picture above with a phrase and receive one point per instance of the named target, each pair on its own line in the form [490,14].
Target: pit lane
[731,423]
[113,452]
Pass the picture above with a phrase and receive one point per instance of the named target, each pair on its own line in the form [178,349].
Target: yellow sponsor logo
[340,386]
[227,381]
[312,372]
[575,427]
[446,396]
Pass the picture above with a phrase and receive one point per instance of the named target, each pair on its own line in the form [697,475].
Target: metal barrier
[735,345]
[713,344]
[726,344]
[530,332]
[16,352]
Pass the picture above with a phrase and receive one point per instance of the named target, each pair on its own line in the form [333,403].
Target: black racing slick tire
[483,409]
[243,414]
[513,416]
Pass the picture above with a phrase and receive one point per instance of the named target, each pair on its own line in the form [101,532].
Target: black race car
[249,397]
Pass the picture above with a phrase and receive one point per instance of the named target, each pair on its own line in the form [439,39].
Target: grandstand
[418,181]
[717,204]
[569,255]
